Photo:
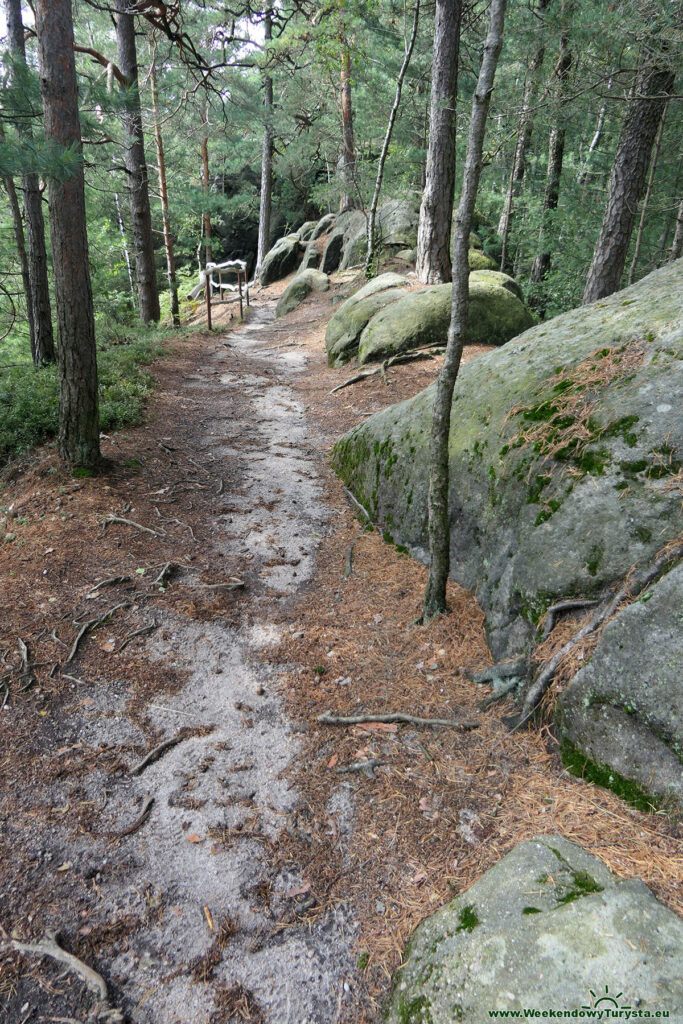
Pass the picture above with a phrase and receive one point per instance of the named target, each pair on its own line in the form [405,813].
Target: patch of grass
[29,398]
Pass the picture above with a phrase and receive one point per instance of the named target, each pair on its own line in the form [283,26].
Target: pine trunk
[266,154]
[646,199]
[206,216]
[372,215]
[78,437]
[136,168]
[40,319]
[652,89]
[436,211]
[551,195]
[434,600]
[349,155]
[525,131]
[163,191]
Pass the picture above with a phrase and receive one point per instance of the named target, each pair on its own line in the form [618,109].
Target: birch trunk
[163,191]
[434,600]
[266,154]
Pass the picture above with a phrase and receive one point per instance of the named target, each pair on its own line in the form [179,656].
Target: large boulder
[324,224]
[422,318]
[280,260]
[297,290]
[344,328]
[306,230]
[565,450]
[397,221]
[496,277]
[621,718]
[478,260]
[332,252]
[547,929]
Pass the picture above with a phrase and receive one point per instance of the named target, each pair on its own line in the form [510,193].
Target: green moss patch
[602,775]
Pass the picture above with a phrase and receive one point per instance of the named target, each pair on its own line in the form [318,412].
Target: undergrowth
[29,398]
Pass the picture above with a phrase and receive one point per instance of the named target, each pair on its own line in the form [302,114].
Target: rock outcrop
[548,928]
[422,318]
[302,285]
[281,260]
[566,445]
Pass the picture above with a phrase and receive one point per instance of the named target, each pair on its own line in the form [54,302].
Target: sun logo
[604,1000]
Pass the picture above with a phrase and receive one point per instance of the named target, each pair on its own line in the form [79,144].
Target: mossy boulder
[478,260]
[280,260]
[498,278]
[397,222]
[297,290]
[547,928]
[565,450]
[324,224]
[620,720]
[306,230]
[344,328]
[332,252]
[422,318]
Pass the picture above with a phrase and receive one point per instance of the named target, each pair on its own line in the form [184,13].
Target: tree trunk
[266,153]
[526,125]
[206,216]
[40,319]
[434,600]
[408,52]
[78,437]
[18,226]
[677,244]
[136,168]
[551,195]
[646,198]
[349,157]
[436,211]
[163,191]
[583,176]
[653,86]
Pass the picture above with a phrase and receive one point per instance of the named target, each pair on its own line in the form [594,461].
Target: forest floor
[214,588]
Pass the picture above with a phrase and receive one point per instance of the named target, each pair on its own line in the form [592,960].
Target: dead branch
[327,718]
[147,804]
[111,518]
[93,624]
[348,561]
[359,766]
[634,585]
[155,754]
[167,569]
[557,609]
[361,508]
[48,946]
[235,584]
[110,582]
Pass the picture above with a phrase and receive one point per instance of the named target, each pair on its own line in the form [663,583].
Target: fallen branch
[361,508]
[147,804]
[348,561]
[92,624]
[557,609]
[167,569]
[110,582]
[111,518]
[27,672]
[327,718]
[633,586]
[155,754]
[48,946]
[405,357]
[236,584]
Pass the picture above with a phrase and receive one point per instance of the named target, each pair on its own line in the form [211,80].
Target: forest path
[263,867]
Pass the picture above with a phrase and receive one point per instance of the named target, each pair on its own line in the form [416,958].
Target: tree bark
[551,195]
[266,153]
[78,438]
[526,125]
[631,160]
[408,52]
[677,244]
[436,211]
[136,168]
[348,201]
[20,241]
[434,600]
[40,319]
[646,198]
[163,191]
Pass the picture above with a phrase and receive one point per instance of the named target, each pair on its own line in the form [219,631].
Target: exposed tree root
[327,718]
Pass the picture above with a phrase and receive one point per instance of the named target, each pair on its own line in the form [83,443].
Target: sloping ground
[266,882]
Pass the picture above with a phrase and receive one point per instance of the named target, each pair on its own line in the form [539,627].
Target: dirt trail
[273,878]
